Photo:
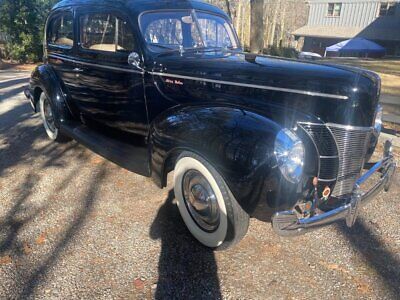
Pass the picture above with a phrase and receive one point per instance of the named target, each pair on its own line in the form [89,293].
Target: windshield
[172,30]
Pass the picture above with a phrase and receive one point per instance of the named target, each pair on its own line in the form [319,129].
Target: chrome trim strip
[316,148]
[338,125]
[327,180]
[334,156]
[254,86]
[95,65]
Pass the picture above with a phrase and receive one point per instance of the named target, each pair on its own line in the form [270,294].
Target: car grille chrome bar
[352,143]
[342,150]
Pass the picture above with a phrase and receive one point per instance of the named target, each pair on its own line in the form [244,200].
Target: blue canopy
[357,45]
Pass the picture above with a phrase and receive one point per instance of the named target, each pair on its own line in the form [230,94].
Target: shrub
[22,21]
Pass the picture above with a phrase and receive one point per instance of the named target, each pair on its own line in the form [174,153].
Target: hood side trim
[255,86]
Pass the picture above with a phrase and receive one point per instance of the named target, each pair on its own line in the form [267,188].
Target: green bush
[22,21]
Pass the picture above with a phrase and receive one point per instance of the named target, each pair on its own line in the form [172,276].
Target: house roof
[371,33]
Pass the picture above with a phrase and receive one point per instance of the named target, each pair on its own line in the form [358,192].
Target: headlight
[378,119]
[289,152]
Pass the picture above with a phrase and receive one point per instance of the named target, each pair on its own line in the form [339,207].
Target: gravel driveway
[73,225]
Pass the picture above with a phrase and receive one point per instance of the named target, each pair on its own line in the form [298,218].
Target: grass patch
[388,69]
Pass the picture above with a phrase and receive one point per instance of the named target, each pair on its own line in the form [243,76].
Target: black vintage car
[161,86]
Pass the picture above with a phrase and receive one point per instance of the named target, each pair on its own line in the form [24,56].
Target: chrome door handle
[77,70]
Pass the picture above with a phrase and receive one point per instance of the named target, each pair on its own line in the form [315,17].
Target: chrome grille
[352,144]
[327,151]
[341,151]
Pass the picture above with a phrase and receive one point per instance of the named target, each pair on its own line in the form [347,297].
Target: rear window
[105,32]
[61,30]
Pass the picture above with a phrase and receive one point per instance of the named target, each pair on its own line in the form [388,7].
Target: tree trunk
[239,21]
[274,20]
[283,23]
[257,26]
[228,8]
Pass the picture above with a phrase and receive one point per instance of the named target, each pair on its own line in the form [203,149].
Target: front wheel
[206,204]
[49,121]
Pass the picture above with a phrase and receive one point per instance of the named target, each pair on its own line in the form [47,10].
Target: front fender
[238,143]
[44,79]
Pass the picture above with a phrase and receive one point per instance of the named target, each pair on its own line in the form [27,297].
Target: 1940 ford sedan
[161,86]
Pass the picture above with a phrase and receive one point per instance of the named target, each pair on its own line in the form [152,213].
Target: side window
[105,32]
[61,30]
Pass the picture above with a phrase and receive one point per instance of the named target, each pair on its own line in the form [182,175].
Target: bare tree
[273,23]
[282,25]
[228,8]
[280,19]
[257,26]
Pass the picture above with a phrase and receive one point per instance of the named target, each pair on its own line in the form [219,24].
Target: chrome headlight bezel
[378,119]
[290,154]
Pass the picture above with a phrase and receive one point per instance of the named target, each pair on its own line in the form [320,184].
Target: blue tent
[356,47]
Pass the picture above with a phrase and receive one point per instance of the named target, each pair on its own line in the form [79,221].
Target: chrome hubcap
[201,201]
[48,115]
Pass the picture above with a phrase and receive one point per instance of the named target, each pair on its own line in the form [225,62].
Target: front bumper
[286,223]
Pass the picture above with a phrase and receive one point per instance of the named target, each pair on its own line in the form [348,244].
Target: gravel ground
[73,225]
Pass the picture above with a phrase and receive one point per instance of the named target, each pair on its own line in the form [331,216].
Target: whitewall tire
[207,206]
[49,122]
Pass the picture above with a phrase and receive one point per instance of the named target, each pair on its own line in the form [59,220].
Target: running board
[127,156]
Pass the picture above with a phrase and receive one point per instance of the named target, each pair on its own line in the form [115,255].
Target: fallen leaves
[362,286]
[41,239]
[139,283]
[27,249]
[5,260]
[96,160]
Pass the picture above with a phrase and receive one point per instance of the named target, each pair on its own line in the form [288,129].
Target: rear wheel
[49,121]
[206,204]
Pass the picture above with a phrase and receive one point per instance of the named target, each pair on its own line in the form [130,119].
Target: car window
[105,32]
[216,31]
[168,30]
[61,30]
[164,31]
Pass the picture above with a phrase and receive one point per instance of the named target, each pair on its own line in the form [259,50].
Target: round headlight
[289,153]
[378,119]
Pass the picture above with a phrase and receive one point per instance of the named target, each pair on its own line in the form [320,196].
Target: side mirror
[135,61]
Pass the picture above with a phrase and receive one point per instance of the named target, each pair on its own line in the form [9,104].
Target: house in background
[331,22]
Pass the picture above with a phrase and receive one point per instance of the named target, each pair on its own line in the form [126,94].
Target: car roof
[138,6]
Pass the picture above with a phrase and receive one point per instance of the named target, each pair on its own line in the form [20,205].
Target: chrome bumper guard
[29,96]
[286,223]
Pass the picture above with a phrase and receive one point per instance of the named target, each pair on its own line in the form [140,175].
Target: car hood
[332,93]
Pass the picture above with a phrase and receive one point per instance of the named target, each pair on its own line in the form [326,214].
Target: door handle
[78,70]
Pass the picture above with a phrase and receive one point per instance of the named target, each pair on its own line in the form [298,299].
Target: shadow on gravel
[11,93]
[8,83]
[15,218]
[187,270]
[375,253]
[39,272]
[19,138]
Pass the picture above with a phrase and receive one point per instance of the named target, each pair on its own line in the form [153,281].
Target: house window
[387,9]
[334,9]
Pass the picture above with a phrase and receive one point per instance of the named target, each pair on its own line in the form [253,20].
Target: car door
[60,43]
[111,91]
